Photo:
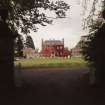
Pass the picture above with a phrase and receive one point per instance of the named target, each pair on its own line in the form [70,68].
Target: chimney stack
[63,40]
[42,44]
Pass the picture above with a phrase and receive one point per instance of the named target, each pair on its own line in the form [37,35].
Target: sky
[69,28]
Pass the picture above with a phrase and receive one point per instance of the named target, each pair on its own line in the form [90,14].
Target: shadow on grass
[71,92]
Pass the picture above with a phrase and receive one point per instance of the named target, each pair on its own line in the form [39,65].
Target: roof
[53,42]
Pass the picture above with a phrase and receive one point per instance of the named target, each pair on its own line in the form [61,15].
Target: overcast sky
[68,28]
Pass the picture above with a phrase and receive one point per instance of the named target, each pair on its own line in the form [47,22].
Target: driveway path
[57,87]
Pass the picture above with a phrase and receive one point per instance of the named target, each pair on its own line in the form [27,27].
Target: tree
[93,20]
[29,42]
[6,53]
[94,51]
[18,46]
[25,14]
[21,15]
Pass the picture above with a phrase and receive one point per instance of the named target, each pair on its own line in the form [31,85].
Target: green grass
[51,63]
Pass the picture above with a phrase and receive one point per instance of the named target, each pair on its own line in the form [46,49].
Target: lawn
[74,62]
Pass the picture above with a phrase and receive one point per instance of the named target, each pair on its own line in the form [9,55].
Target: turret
[42,44]
[63,41]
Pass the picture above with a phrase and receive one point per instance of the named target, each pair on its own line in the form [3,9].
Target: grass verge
[74,62]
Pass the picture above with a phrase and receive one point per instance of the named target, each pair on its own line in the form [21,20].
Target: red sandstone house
[54,48]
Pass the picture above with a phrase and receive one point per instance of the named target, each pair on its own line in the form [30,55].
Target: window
[57,47]
[60,53]
[61,47]
[57,53]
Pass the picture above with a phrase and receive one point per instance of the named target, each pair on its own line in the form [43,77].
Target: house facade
[54,48]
